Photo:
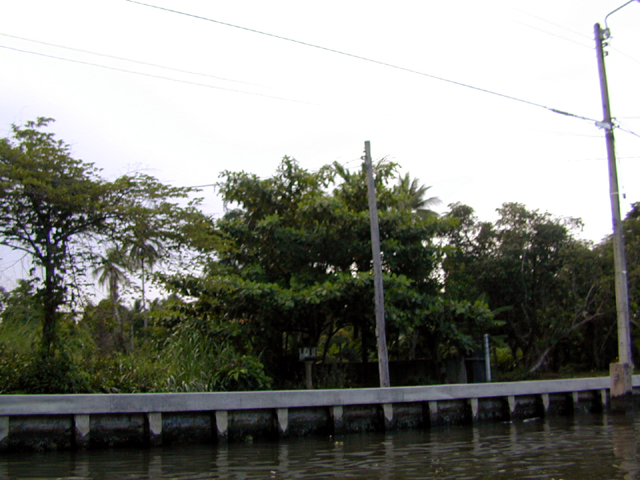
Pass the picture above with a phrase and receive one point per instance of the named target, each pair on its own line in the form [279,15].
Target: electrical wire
[132,61]
[203,186]
[552,34]
[156,76]
[214,185]
[565,134]
[629,57]
[366,59]
[617,126]
[554,24]
[597,159]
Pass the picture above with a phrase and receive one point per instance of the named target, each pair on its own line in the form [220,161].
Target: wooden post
[381,336]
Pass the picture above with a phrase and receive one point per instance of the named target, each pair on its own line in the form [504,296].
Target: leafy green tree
[541,280]
[600,347]
[293,262]
[20,306]
[631,227]
[20,320]
[59,211]
[103,323]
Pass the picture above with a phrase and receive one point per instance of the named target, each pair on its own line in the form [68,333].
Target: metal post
[381,336]
[308,370]
[487,357]
[620,372]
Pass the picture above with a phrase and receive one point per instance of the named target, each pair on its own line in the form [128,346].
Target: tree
[111,273]
[294,261]
[542,281]
[631,227]
[21,317]
[59,211]
[600,347]
[414,194]
[144,251]
[20,307]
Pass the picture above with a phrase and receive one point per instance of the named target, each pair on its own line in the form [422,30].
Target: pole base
[621,387]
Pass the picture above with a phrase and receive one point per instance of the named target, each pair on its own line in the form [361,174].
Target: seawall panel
[187,427]
[39,432]
[117,430]
[309,421]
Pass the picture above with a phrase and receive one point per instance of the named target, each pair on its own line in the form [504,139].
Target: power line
[597,159]
[566,134]
[339,52]
[155,76]
[627,130]
[624,55]
[554,24]
[552,34]
[129,60]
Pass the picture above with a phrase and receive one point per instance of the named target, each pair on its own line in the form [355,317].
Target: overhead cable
[366,59]
[129,60]
[626,130]
[155,76]
[587,37]
[635,60]
[553,34]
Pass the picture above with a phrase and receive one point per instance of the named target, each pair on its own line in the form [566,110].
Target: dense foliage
[59,212]
[295,267]
[541,281]
[289,265]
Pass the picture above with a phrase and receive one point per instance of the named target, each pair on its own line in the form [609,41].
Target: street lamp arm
[611,13]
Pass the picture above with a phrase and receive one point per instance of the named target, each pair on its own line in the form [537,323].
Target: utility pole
[622,371]
[381,335]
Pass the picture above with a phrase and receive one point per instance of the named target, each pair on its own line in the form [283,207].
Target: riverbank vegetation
[288,266]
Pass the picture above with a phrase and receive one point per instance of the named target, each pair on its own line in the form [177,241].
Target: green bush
[12,364]
[53,372]
[209,361]
[193,355]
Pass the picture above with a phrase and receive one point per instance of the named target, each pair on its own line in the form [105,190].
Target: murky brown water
[586,447]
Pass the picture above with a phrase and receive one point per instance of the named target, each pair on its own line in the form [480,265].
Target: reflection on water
[586,447]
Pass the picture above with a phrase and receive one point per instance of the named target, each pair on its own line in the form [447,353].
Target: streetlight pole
[622,371]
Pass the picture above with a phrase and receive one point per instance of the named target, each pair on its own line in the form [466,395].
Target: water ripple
[581,448]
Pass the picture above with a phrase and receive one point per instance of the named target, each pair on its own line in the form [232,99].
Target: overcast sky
[252,98]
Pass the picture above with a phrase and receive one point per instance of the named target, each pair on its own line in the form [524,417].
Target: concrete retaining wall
[41,422]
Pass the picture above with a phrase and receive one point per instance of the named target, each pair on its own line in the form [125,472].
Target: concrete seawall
[43,422]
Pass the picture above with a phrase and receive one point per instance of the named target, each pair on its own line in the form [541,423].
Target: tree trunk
[144,300]
[541,358]
[50,305]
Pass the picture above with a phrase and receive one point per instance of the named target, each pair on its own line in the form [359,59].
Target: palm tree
[143,251]
[111,273]
[413,195]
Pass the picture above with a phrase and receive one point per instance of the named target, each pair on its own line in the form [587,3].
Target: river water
[583,447]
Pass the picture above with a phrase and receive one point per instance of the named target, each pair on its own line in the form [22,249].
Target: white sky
[471,147]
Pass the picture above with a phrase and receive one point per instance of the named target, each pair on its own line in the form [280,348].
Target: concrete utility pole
[381,335]
[622,371]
